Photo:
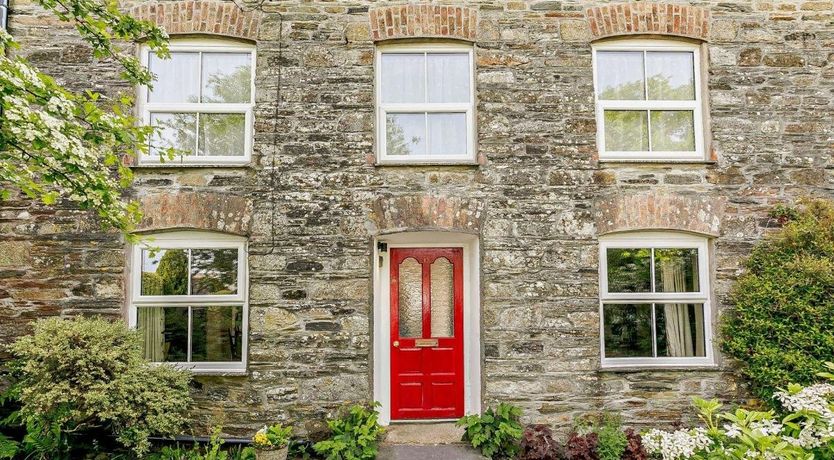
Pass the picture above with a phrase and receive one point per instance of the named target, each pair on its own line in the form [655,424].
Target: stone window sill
[386,164]
[644,369]
[656,162]
[151,166]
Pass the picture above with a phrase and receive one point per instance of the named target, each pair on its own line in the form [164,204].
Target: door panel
[426,333]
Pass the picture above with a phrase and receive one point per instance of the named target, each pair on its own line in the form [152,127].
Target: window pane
[442,298]
[175,130]
[227,77]
[680,330]
[629,270]
[178,78]
[628,330]
[213,271]
[403,77]
[405,134]
[626,131]
[671,75]
[165,333]
[448,77]
[673,130]
[217,333]
[676,270]
[411,298]
[447,134]
[620,75]
[165,272]
[222,134]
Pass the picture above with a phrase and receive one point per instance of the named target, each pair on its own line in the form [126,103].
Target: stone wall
[312,199]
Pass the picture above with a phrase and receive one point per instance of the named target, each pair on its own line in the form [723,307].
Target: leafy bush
[537,443]
[354,434]
[782,326]
[804,433]
[272,437]
[496,433]
[582,446]
[81,380]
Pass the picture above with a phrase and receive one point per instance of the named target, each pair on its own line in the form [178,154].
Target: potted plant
[272,442]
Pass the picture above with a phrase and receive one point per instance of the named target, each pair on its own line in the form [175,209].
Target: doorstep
[423,433]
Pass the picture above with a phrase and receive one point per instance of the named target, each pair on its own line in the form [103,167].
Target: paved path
[427,452]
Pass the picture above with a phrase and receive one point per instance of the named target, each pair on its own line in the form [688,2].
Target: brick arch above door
[637,18]
[198,211]
[201,17]
[426,213]
[659,210]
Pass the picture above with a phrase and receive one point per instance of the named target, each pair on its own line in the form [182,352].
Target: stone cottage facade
[548,199]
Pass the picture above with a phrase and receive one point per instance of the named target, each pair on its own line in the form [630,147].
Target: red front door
[426,333]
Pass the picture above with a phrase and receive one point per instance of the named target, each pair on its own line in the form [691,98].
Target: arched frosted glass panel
[442,298]
[411,298]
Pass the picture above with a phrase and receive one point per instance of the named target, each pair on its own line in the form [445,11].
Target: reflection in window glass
[629,269]
[176,131]
[628,330]
[673,131]
[222,134]
[676,270]
[626,130]
[227,77]
[671,75]
[217,333]
[620,75]
[164,272]
[680,330]
[214,271]
[405,134]
[165,333]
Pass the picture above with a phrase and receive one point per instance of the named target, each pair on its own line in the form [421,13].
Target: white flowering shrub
[56,143]
[805,433]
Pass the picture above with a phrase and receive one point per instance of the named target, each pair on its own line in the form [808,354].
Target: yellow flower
[260,439]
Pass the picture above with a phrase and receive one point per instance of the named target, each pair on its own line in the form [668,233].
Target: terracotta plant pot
[280,454]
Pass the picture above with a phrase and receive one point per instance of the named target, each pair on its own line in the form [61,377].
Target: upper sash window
[648,101]
[425,104]
[201,102]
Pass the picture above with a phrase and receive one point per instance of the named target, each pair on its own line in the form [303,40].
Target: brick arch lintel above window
[423,21]
[195,211]
[637,18]
[660,210]
[426,213]
[201,17]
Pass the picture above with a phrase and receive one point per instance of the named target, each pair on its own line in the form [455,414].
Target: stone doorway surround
[472,354]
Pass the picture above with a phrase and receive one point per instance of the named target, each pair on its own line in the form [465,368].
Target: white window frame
[696,106]
[145,108]
[194,240]
[657,240]
[382,109]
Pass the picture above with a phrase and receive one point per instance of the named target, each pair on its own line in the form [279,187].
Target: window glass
[217,333]
[670,75]
[164,332]
[655,302]
[221,133]
[165,272]
[673,130]
[620,75]
[175,131]
[227,77]
[448,77]
[447,134]
[403,78]
[626,130]
[442,298]
[214,271]
[405,134]
[177,79]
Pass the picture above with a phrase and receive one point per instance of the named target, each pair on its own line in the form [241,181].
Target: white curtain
[679,339]
[152,325]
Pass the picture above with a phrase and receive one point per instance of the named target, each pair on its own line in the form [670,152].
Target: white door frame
[471,314]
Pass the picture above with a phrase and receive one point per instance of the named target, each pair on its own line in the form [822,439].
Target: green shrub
[354,434]
[496,433]
[85,379]
[611,439]
[212,451]
[782,324]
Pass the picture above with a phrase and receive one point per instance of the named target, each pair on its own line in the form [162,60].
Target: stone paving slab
[423,433]
[427,452]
